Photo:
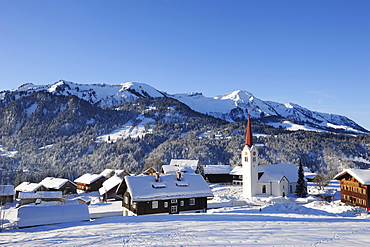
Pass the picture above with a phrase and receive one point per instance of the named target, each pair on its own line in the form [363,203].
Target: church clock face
[254,153]
[245,153]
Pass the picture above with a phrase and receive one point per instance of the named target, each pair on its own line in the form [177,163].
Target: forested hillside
[56,135]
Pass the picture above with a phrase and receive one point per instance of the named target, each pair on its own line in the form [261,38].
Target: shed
[29,187]
[218,173]
[40,196]
[6,194]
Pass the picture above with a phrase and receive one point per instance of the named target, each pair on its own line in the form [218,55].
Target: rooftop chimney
[178,174]
[157,177]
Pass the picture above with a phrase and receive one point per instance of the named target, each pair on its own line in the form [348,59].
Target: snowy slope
[306,223]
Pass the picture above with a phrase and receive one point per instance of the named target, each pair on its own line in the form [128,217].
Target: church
[276,180]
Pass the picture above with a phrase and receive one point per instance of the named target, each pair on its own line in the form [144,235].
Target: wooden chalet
[6,194]
[89,182]
[169,194]
[29,187]
[217,173]
[109,188]
[59,184]
[355,187]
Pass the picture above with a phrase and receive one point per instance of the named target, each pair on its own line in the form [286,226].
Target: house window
[182,203]
[291,188]
[126,200]
[192,201]
[165,204]
[154,204]
[246,159]
[134,205]
[173,201]
[173,209]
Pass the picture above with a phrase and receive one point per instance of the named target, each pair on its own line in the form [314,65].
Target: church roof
[274,173]
[249,135]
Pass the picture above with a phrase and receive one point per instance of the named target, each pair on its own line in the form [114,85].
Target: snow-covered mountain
[231,107]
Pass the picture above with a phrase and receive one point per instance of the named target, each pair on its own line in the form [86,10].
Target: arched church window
[263,189]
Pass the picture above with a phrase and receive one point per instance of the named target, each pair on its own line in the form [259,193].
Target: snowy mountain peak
[231,107]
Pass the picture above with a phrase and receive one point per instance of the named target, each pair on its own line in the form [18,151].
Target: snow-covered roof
[181,162]
[110,184]
[237,170]
[40,194]
[108,172]
[54,183]
[28,187]
[6,190]
[274,173]
[88,178]
[144,188]
[217,169]
[361,175]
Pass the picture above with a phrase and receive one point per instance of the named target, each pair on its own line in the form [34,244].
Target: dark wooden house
[6,194]
[218,173]
[89,182]
[355,187]
[59,184]
[170,194]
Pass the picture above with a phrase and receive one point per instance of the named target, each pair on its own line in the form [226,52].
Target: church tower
[249,164]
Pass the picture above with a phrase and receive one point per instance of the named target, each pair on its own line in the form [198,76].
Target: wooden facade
[354,190]
[89,182]
[169,206]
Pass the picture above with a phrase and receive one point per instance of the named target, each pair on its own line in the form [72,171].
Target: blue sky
[312,53]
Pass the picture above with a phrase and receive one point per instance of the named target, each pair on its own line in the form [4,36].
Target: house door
[174,210]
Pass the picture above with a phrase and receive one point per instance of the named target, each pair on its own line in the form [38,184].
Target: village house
[40,196]
[29,187]
[355,187]
[6,194]
[59,184]
[217,173]
[109,187]
[89,182]
[169,194]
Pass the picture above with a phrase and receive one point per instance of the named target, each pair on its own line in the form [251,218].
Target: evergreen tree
[301,189]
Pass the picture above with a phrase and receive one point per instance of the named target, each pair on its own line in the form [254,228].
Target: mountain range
[232,107]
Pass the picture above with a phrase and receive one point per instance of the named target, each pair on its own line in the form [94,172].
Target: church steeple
[249,135]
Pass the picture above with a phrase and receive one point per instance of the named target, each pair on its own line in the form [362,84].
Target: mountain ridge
[232,107]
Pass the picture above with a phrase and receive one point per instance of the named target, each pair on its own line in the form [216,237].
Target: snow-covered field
[292,222]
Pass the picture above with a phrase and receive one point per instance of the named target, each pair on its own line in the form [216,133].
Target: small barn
[355,187]
[217,173]
[89,182]
[6,194]
[237,175]
[169,194]
[109,187]
[59,184]
[29,187]
[40,196]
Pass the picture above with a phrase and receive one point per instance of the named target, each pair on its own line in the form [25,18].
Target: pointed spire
[248,135]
